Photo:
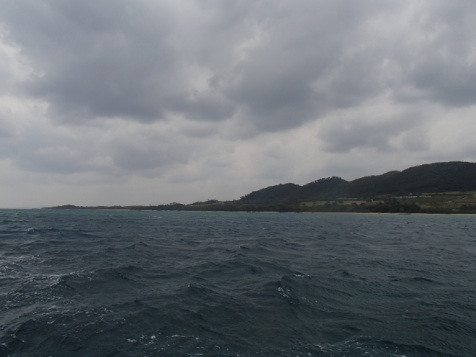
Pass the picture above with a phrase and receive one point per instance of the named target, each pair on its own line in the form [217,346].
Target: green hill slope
[434,178]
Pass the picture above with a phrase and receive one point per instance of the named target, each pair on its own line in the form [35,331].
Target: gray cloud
[213,91]
[282,64]
[94,59]
[439,59]
[279,63]
[142,156]
[343,137]
[52,160]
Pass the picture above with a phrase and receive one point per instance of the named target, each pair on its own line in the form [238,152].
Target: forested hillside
[428,178]
[445,187]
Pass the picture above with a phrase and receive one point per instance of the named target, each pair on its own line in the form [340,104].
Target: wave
[127,284]
[369,346]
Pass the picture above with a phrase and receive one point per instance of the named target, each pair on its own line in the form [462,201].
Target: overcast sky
[144,102]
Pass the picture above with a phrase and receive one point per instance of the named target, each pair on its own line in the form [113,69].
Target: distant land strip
[444,187]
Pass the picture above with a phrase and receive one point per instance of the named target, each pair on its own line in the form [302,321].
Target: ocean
[158,283]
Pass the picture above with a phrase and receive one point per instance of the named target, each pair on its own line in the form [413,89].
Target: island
[444,187]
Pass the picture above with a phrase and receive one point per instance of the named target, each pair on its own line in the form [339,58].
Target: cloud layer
[148,102]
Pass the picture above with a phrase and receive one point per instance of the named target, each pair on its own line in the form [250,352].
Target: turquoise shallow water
[148,283]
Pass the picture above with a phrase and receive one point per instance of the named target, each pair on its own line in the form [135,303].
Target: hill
[444,187]
[428,178]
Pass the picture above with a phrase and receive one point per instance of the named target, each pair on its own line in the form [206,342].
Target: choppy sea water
[148,283]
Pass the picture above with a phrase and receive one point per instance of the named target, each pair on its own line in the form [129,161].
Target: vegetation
[448,187]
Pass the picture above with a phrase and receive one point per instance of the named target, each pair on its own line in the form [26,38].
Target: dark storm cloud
[107,59]
[296,72]
[272,64]
[95,58]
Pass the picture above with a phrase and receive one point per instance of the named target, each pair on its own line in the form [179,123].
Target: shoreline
[148,209]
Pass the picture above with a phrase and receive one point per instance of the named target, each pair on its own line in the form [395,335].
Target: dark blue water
[129,283]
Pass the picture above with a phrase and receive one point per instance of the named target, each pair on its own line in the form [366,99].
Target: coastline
[243,210]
